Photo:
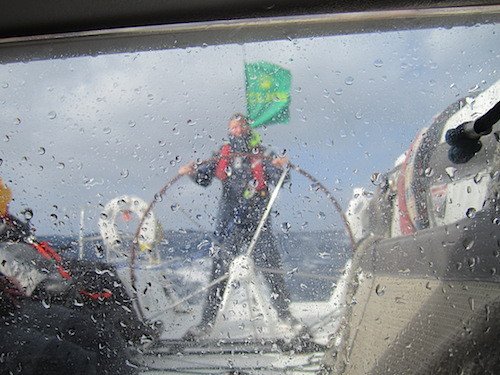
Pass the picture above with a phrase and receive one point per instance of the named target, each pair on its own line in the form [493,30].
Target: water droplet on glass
[349,81]
[6,138]
[60,166]
[477,178]
[468,243]
[5,85]
[41,151]
[17,121]
[106,130]
[378,63]
[474,88]
[46,303]
[99,250]
[158,197]
[132,123]
[28,214]
[77,303]
[285,227]
[375,178]
[339,92]
[174,207]
[429,172]
[322,215]
[380,290]
[304,225]
[451,172]
[326,93]
[124,173]
[359,115]
[471,212]
[52,115]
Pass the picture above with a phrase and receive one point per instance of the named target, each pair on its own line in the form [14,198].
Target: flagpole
[244,47]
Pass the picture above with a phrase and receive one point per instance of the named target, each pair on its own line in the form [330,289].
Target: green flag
[268,93]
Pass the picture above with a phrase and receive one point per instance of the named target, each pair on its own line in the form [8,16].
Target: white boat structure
[247,334]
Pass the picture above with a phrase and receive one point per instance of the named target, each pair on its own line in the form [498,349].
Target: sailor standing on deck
[245,169]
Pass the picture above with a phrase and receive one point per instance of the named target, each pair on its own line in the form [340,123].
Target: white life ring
[109,230]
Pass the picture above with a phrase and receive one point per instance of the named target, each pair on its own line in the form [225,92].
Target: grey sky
[80,131]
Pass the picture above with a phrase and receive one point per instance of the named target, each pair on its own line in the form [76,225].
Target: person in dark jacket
[246,170]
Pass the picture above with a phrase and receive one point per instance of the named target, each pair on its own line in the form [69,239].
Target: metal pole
[274,195]
[80,238]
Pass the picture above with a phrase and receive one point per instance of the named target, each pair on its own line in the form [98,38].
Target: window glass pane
[373,215]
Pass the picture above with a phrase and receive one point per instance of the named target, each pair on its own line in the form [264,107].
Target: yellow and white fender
[148,234]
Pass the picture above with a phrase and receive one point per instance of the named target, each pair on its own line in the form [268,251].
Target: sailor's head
[5,198]
[238,125]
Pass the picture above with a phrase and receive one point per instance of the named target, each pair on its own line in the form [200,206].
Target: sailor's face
[238,127]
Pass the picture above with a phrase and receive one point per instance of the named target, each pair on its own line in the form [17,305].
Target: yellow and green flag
[268,93]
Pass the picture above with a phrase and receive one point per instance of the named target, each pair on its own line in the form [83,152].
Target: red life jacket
[256,162]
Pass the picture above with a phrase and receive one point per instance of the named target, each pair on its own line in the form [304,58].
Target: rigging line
[265,215]
[298,274]
[136,239]
[223,370]
[232,370]
[189,216]
[324,320]
[225,276]
[195,293]
[264,270]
